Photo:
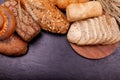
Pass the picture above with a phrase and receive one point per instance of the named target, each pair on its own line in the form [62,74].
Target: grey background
[50,57]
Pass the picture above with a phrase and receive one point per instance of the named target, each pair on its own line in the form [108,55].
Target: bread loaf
[13,46]
[9,23]
[47,15]
[94,31]
[79,11]
[26,28]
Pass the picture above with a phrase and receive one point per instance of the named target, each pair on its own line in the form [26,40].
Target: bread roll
[9,24]
[13,46]
[114,31]
[79,11]
[62,4]
[91,32]
[47,15]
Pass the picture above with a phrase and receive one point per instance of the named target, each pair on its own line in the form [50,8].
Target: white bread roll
[78,11]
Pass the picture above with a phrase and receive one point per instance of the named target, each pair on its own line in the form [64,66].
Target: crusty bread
[62,4]
[26,28]
[47,15]
[99,31]
[13,46]
[79,11]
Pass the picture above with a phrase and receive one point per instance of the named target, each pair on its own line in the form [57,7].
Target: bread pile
[22,20]
[91,26]
[94,31]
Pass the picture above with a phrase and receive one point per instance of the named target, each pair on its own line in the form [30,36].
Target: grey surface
[50,57]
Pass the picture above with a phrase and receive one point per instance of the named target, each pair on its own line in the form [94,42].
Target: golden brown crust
[62,4]
[47,15]
[80,11]
[26,28]
[9,23]
[14,46]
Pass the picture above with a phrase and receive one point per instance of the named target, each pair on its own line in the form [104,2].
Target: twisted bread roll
[78,11]
[94,31]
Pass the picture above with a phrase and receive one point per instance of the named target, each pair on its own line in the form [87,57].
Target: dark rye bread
[26,28]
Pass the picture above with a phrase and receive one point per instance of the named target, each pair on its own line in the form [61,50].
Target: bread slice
[113,21]
[84,36]
[98,30]
[103,30]
[90,32]
[109,33]
[115,31]
[93,32]
[74,33]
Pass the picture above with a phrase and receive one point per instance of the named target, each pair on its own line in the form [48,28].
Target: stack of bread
[22,20]
[91,26]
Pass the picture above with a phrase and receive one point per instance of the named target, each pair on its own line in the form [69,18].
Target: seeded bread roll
[91,32]
[79,11]
[47,15]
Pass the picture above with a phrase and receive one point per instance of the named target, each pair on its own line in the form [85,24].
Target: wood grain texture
[95,52]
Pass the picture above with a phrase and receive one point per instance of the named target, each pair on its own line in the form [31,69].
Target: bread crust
[80,11]
[47,15]
[26,28]
[99,33]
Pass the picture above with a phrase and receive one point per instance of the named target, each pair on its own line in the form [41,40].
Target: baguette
[79,11]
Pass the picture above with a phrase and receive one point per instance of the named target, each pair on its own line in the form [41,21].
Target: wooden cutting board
[95,52]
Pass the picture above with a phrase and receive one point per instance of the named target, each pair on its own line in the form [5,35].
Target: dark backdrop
[50,57]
